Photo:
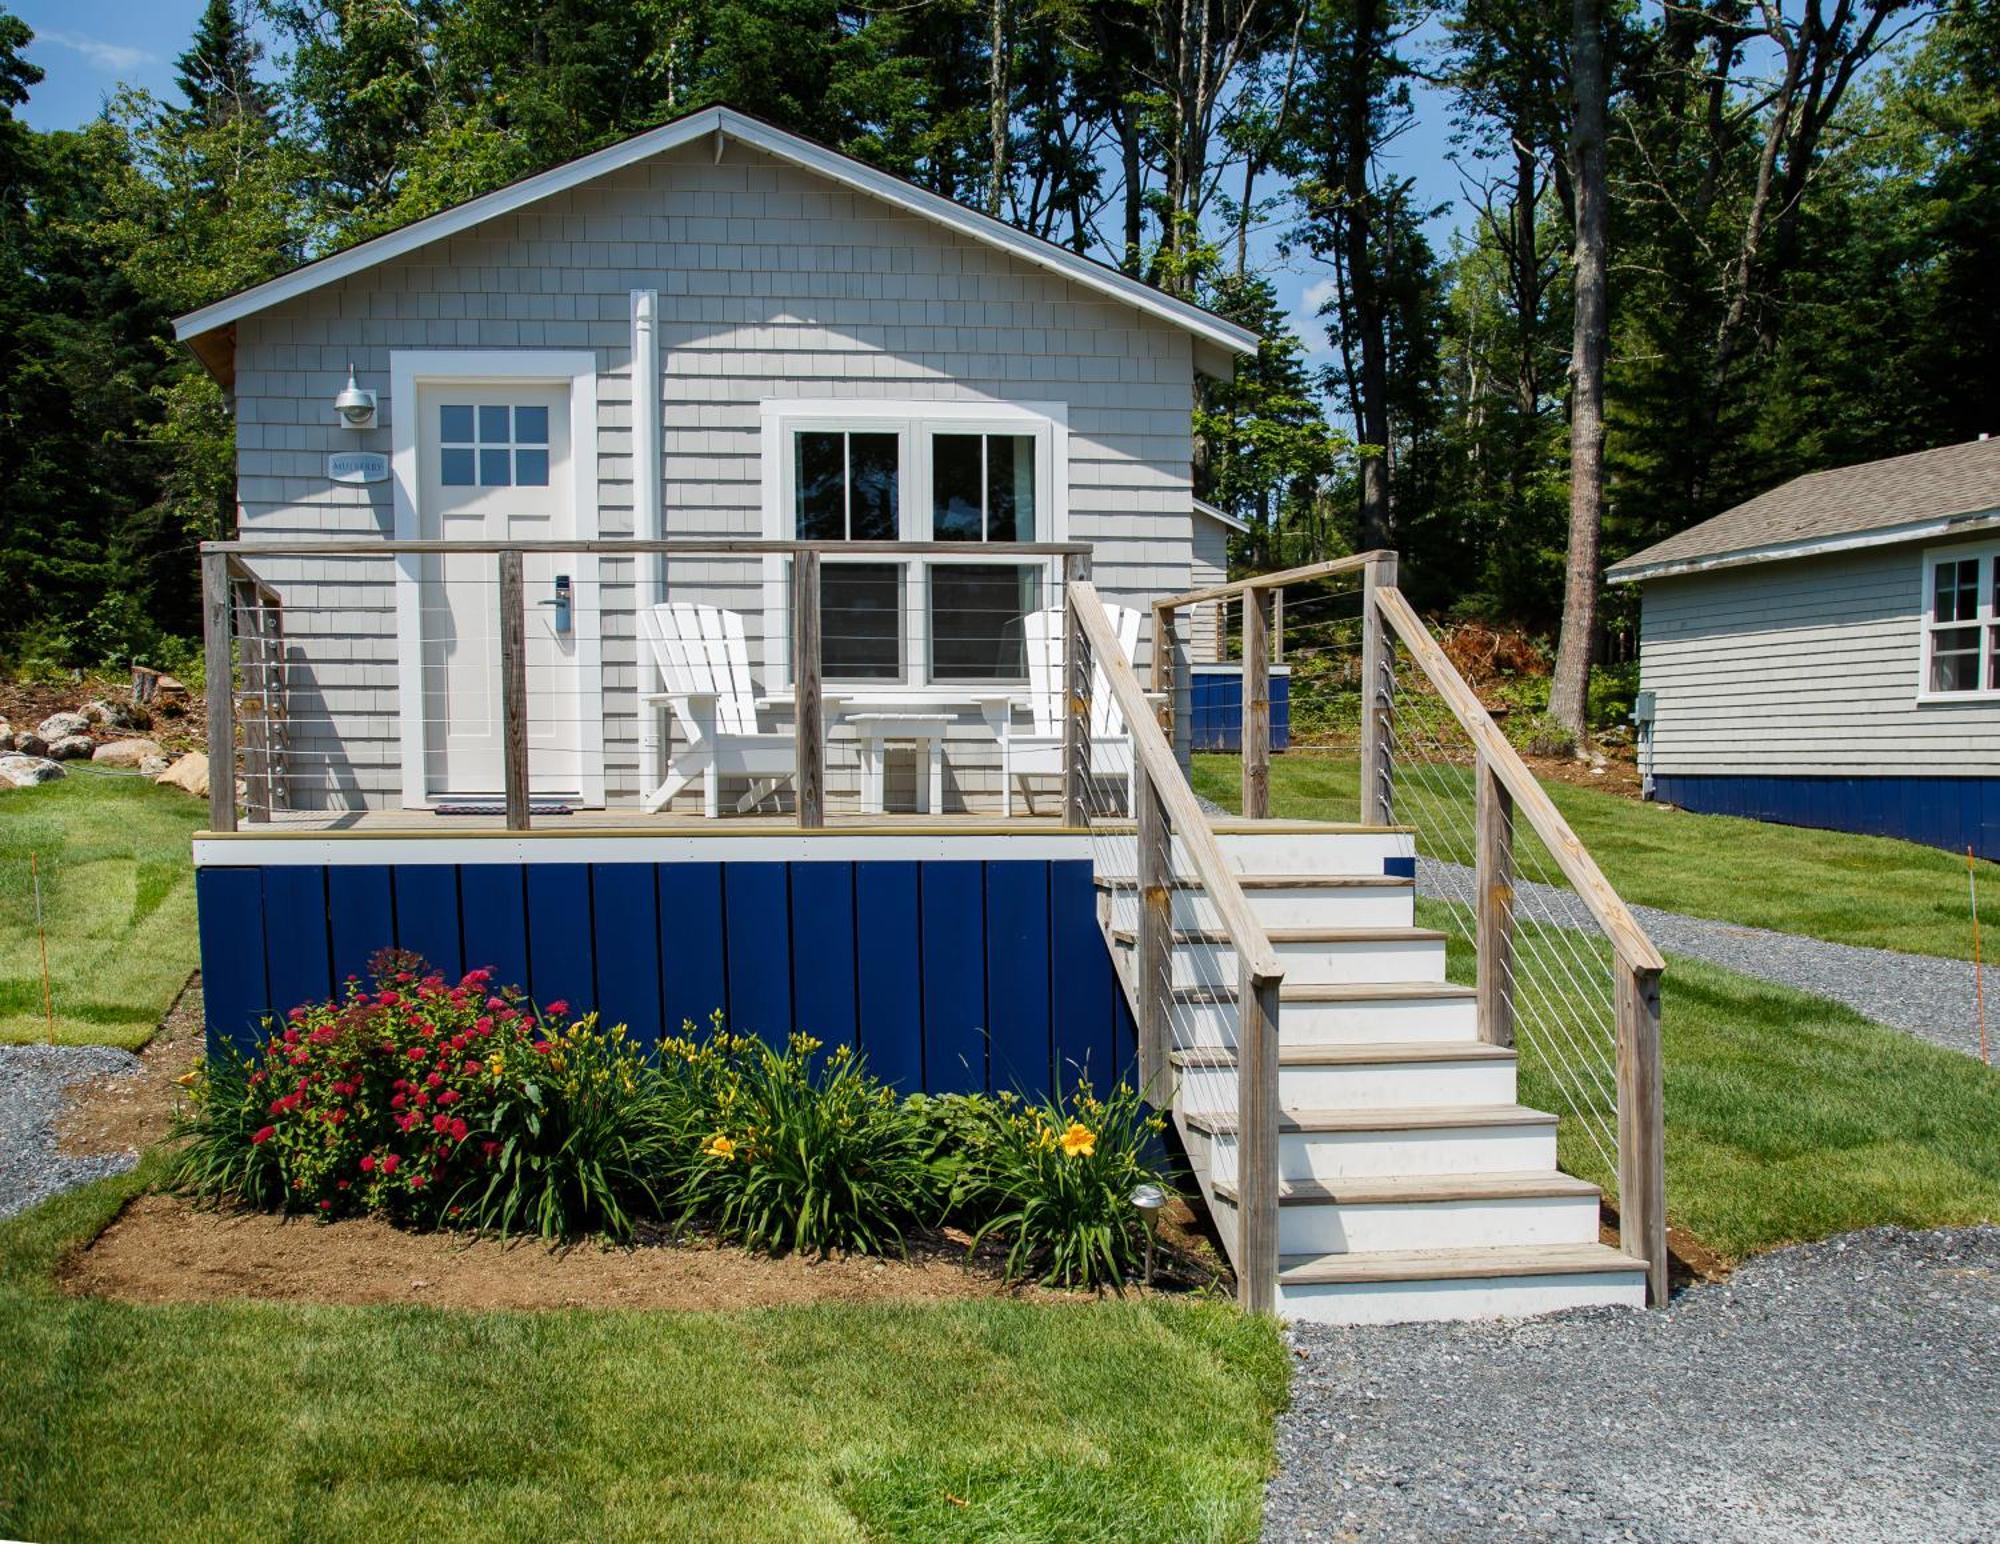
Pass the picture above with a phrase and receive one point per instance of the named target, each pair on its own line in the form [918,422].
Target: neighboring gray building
[1828,654]
[696,332]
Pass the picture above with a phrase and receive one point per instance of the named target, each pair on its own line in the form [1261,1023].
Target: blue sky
[88,47]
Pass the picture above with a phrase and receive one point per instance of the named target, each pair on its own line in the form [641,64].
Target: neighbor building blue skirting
[1949,812]
[1216,712]
[950,976]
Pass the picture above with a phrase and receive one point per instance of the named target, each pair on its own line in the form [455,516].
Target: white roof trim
[1221,517]
[720,121]
[1807,547]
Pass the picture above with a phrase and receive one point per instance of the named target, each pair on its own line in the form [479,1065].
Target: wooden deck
[634,822]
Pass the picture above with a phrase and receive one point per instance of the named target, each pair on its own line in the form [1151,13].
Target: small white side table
[923,730]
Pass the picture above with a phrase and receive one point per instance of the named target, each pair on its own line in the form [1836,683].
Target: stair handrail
[1505,786]
[1166,807]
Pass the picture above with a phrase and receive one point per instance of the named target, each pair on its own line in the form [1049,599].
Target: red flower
[495,1004]
[449,1096]
[459,1129]
[440,1123]
[296,1014]
[398,1102]
[422,1100]
[340,1184]
[416,1182]
[484,1024]
[367,1163]
[472,1067]
[387,999]
[291,1037]
[263,1135]
[433,1080]
[326,1206]
[389,1162]
[418,1053]
[542,1047]
[559,1006]
[405,1122]
[489,1147]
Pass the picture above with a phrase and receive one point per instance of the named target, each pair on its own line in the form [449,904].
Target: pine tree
[217,73]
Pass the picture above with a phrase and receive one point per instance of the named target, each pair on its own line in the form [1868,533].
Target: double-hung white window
[1961,623]
[970,477]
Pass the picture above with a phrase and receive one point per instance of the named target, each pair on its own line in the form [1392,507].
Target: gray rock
[18,771]
[153,766]
[128,753]
[60,726]
[72,747]
[28,743]
[111,715]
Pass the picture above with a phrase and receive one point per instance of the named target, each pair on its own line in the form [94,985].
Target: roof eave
[1630,572]
[725,122]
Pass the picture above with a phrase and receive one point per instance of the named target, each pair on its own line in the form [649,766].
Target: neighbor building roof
[206,331]
[1904,498]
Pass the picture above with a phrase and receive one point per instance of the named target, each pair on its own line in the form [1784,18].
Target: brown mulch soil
[165,1250]
[177,727]
[120,1114]
[1620,774]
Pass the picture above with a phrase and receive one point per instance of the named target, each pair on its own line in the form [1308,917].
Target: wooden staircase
[1412,1184]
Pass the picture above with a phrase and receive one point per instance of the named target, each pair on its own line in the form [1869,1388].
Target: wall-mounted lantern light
[355,406]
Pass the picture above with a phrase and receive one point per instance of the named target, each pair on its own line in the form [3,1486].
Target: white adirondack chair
[703,663]
[1038,752]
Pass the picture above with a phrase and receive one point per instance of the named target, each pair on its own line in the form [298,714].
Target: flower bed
[432,1103]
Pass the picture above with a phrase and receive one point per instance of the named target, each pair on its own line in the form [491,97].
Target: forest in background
[1710,246]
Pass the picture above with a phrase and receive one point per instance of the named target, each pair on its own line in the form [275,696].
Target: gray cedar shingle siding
[1803,668]
[772,283]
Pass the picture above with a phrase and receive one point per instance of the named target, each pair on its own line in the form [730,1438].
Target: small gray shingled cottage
[1828,654]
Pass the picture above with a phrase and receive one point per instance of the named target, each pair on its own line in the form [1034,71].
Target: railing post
[255,702]
[1378,799]
[1076,700]
[1642,1138]
[808,719]
[1153,958]
[218,684]
[1257,1142]
[514,688]
[1494,882]
[1256,704]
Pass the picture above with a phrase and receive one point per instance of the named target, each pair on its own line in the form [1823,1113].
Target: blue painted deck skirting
[950,975]
[1949,812]
[1216,712]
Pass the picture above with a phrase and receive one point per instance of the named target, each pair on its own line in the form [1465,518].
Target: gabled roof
[1904,498]
[198,327]
[1221,517]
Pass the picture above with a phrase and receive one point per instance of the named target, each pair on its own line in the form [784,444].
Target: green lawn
[1789,1118]
[1825,884]
[117,902]
[1115,1420]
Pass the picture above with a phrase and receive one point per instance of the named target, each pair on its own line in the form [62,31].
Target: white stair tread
[1422,1117]
[1276,882]
[1301,935]
[1337,992]
[1408,1189]
[1364,1053]
[1454,1264]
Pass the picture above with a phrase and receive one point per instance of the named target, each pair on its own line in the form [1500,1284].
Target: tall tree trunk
[1135,190]
[996,182]
[1371,410]
[1570,689]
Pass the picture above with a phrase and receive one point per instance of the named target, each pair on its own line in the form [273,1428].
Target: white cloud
[1305,318]
[113,57]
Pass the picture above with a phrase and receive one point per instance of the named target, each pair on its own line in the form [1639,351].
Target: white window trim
[913,422]
[409,369]
[1987,621]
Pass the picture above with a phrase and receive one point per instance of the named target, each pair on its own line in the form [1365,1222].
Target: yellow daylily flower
[719,1146]
[1079,1141]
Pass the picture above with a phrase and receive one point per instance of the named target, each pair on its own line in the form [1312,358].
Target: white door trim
[410,368]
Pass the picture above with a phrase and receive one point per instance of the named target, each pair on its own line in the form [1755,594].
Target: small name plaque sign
[357,466]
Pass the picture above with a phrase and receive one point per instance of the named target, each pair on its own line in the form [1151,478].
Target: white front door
[494,465]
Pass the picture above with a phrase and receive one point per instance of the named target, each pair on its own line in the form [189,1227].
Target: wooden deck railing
[1171,833]
[1540,991]
[228,577]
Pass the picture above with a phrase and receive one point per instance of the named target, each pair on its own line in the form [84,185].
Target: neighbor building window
[918,473]
[1962,621]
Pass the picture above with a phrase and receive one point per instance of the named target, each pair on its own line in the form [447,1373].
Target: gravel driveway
[33,1079]
[1848,1389]
[1921,994]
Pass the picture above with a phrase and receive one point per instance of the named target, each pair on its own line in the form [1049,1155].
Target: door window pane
[477,445]
[531,468]
[531,426]
[977,611]
[493,471]
[861,621]
[493,424]
[455,466]
[455,425]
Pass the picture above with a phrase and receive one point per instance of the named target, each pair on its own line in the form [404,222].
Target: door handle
[561,602]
